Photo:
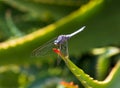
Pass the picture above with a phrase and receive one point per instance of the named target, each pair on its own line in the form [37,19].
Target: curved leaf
[19,50]
[112,81]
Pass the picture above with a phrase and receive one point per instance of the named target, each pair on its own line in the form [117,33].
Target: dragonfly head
[61,39]
[56,42]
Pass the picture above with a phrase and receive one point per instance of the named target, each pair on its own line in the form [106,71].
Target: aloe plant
[27,24]
[112,81]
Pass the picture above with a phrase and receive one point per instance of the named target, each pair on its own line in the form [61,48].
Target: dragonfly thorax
[61,39]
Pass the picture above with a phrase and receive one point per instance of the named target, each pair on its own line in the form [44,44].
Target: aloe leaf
[13,29]
[41,10]
[113,78]
[19,50]
[112,81]
[103,62]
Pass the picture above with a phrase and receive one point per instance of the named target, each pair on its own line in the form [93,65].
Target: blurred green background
[27,24]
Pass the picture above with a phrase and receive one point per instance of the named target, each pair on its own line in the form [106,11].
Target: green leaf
[103,62]
[112,81]
[19,50]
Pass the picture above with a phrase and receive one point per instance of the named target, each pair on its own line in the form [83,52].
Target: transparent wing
[44,50]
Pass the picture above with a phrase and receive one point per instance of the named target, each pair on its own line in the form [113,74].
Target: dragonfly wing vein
[44,49]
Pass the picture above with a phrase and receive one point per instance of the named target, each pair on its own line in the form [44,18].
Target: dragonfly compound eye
[56,42]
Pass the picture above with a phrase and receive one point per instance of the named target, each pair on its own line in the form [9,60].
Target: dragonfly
[61,43]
